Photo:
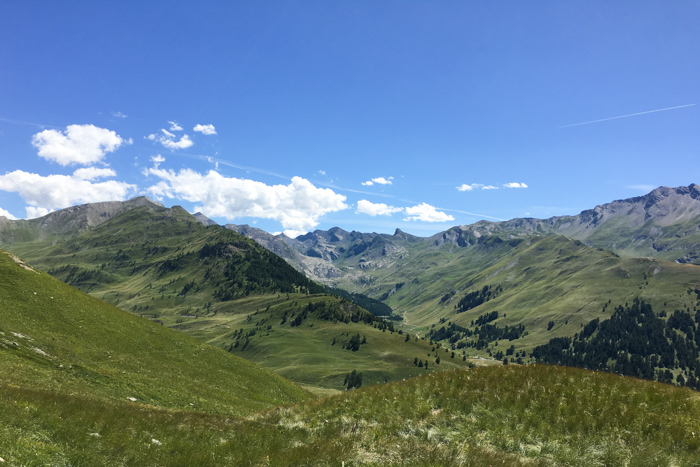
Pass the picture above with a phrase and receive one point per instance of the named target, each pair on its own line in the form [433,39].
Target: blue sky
[292,116]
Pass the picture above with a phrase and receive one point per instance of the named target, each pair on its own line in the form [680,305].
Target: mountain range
[492,290]
[664,223]
[614,288]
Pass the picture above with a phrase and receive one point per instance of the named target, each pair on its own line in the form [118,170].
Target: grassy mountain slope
[308,341]
[54,337]
[542,280]
[164,265]
[506,415]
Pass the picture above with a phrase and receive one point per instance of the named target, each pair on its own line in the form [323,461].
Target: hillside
[507,415]
[500,297]
[61,340]
[165,265]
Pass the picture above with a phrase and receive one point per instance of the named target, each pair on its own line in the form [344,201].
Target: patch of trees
[375,307]
[353,380]
[342,311]
[634,341]
[478,297]
[257,272]
[486,318]
[460,337]
[355,342]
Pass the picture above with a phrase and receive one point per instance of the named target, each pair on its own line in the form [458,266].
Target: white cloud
[118,115]
[79,144]
[33,212]
[465,187]
[322,172]
[60,191]
[296,206]
[4,213]
[375,209]
[205,129]
[426,213]
[174,126]
[379,180]
[489,187]
[514,185]
[157,160]
[91,173]
[167,139]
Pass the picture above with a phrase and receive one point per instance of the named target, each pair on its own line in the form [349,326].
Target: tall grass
[508,415]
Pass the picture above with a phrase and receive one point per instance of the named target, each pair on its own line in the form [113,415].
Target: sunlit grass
[507,415]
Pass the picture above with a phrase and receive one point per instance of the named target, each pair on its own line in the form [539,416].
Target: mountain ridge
[664,223]
[69,220]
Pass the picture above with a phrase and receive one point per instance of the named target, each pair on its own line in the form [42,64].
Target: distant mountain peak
[204,219]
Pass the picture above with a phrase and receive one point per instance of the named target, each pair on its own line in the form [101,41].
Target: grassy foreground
[506,415]
[59,339]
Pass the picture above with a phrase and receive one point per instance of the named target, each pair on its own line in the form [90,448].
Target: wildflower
[156,442]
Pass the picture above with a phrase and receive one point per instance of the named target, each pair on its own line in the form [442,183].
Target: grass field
[503,415]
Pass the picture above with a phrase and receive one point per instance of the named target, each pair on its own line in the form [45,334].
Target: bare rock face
[67,221]
[204,219]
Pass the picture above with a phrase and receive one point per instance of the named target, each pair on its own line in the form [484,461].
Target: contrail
[472,214]
[629,115]
[19,122]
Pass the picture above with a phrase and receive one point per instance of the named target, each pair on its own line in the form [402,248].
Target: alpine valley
[136,334]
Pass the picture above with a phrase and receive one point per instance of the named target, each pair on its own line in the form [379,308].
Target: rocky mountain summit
[664,223]
[69,220]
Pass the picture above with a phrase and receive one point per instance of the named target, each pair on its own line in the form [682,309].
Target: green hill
[56,338]
[164,265]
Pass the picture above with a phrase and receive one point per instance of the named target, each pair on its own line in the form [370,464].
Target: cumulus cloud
[174,126]
[465,187]
[297,206]
[33,212]
[118,115]
[514,185]
[43,194]
[489,187]
[167,139]
[205,129]
[378,180]
[375,209]
[426,213]
[4,213]
[79,144]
